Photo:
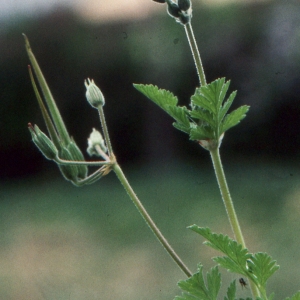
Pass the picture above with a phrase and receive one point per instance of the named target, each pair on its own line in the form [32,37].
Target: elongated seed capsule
[77,156]
[68,171]
[43,143]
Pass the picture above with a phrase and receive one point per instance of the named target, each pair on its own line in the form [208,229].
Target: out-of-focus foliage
[253,45]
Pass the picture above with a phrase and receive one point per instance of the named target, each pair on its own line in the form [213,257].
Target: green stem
[233,219]
[149,221]
[105,131]
[196,54]
[136,201]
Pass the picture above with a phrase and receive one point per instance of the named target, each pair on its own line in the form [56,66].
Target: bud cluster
[180,10]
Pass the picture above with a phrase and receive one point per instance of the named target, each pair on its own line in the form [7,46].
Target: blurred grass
[62,242]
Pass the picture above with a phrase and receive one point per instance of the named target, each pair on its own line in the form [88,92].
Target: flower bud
[93,94]
[185,18]
[184,4]
[173,9]
[44,144]
[94,139]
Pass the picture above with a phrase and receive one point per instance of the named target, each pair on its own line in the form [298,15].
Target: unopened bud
[93,94]
[44,144]
[95,139]
[184,4]
[173,9]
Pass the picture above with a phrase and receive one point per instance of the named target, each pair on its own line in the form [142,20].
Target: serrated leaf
[201,133]
[234,117]
[161,97]
[181,127]
[262,267]
[231,291]
[226,105]
[179,114]
[203,115]
[294,297]
[237,255]
[196,289]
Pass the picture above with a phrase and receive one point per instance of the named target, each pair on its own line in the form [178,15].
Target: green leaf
[237,255]
[208,107]
[234,117]
[201,133]
[194,288]
[203,115]
[262,267]
[294,297]
[182,127]
[161,97]
[226,105]
[231,291]
[179,114]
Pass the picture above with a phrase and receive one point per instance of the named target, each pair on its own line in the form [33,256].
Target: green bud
[94,139]
[184,4]
[44,144]
[68,171]
[93,94]
[185,18]
[173,9]
[78,156]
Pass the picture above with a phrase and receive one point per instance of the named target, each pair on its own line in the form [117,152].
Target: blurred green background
[62,242]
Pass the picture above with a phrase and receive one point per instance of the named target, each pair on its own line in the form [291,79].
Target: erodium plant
[205,121]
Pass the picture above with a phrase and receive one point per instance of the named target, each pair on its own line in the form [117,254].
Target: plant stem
[105,131]
[149,221]
[117,169]
[196,54]
[233,219]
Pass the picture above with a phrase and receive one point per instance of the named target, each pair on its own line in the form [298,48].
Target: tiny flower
[93,94]
[95,139]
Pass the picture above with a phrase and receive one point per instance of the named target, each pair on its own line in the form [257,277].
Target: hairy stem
[196,54]
[233,219]
[149,221]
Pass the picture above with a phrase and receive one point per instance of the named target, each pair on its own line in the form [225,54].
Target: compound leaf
[237,256]
[161,97]
[194,288]
[262,267]
[234,117]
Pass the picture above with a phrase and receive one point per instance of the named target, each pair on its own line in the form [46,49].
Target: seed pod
[44,144]
[77,155]
[69,172]
[184,4]
[173,10]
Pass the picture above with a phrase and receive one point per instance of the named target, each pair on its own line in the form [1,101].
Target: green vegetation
[206,121]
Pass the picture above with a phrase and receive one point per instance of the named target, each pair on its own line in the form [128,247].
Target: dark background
[60,242]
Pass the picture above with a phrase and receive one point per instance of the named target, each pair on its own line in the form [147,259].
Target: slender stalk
[105,131]
[196,54]
[117,169]
[149,221]
[233,219]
